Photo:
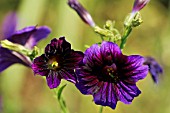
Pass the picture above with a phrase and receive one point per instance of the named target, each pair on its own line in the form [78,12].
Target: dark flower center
[53,64]
[109,73]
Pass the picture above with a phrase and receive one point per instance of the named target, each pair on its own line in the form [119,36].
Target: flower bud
[154,68]
[139,4]
[82,12]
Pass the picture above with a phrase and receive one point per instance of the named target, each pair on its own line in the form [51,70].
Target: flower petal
[58,46]
[53,79]
[40,65]
[29,36]
[72,60]
[126,94]
[133,68]
[155,68]
[93,56]
[131,89]
[9,24]
[139,4]
[106,95]
[110,52]
[86,83]
[40,33]
[22,36]
[7,59]
[81,11]
[69,64]
[69,76]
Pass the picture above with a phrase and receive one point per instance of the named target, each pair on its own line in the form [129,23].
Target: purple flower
[109,75]
[139,4]
[28,37]
[154,68]
[81,11]
[59,61]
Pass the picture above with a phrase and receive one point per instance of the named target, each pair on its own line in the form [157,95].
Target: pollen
[54,64]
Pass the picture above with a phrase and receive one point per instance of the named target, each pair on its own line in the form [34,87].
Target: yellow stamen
[54,64]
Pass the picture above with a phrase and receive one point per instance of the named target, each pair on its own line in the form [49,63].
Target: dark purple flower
[154,68]
[139,4]
[59,61]
[81,11]
[28,37]
[109,75]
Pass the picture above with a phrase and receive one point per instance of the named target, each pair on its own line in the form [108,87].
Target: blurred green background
[22,92]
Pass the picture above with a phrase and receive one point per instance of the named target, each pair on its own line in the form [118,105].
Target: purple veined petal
[138,74]
[7,58]
[69,76]
[61,46]
[131,89]
[92,55]
[110,51]
[86,83]
[105,96]
[90,81]
[91,86]
[123,95]
[40,33]
[127,92]
[39,66]
[22,36]
[132,61]
[119,96]
[112,97]
[72,60]
[133,68]
[53,79]
[104,92]
[9,24]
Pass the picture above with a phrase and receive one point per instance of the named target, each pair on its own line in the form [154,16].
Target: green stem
[125,36]
[15,47]
[101,109]
[102,38]
[103,32]
[20,49]
[61,103]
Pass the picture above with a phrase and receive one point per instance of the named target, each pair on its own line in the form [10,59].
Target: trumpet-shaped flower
[109,75]
[59,61]
[28,37]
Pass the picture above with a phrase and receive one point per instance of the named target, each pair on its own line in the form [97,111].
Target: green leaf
[60,90]
[101,109]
